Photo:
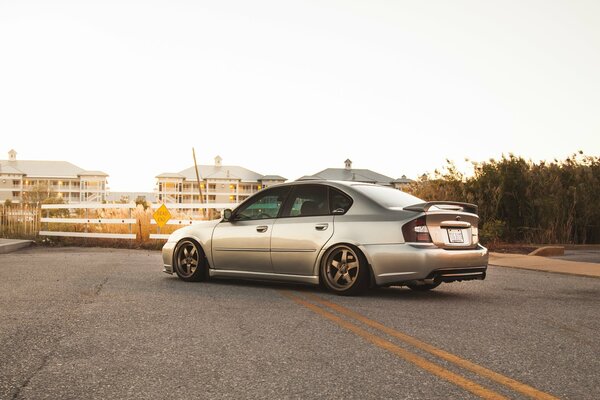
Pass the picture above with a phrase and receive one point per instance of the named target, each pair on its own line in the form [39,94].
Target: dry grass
[23,222]
[19,221]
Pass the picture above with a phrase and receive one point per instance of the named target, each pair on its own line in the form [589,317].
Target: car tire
[345,270]
[189,261]
[423,287]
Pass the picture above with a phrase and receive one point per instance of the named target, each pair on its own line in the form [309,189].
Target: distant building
[218,183]
[401,183]
[358,175]
[128,197]
[61,178]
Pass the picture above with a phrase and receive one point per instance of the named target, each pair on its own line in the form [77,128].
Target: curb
[545,270]
[14,245]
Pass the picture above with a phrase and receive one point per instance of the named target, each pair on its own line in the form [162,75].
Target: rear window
[387,196]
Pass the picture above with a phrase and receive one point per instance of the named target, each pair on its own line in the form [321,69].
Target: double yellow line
[432,367]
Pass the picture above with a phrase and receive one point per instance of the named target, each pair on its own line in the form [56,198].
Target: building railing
[221,191]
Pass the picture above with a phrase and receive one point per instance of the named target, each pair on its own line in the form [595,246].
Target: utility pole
[199,183]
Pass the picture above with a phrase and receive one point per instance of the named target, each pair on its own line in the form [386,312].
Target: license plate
[455,236]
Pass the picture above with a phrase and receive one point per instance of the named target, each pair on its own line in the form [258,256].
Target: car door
[243,242]
[303,228]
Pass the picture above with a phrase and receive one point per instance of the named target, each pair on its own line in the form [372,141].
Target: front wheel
[345,271]
[189,261]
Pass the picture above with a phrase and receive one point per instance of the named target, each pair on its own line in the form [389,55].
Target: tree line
[521,201]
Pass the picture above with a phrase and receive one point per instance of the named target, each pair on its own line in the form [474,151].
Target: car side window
[264,205]
[307,200]
[339,201]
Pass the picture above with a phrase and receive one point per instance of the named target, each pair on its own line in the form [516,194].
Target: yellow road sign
[161,216]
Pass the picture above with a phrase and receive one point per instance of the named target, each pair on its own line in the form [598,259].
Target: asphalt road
[103,324]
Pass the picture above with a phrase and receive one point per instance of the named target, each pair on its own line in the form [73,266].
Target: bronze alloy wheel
[189,261]
[345,270]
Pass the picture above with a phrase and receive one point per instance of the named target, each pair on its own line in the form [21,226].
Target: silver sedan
[346,236]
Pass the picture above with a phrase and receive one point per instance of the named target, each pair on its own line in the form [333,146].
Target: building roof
[93,173]
[308,178]
[352,174]
[216,172]
[273,178]
[219,171]
[7,169]
[404,179]
[43,169]
[170,175]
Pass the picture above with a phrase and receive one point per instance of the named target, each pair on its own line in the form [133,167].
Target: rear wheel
[345,270]
[423,287]
[189,261]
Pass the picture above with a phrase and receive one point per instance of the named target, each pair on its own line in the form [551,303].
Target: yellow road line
[419,361]
[479,370]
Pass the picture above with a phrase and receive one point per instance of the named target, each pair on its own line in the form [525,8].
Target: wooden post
[198,179]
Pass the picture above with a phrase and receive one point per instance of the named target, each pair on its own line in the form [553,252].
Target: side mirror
[339,211]
[227,215]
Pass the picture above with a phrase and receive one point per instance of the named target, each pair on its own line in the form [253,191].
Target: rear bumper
[398,263]
[457,274]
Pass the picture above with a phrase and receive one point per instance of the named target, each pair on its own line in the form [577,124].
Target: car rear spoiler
[446,205]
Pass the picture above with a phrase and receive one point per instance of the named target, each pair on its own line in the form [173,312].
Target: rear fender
[329,245]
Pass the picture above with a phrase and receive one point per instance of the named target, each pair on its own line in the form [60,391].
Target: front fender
[200,232]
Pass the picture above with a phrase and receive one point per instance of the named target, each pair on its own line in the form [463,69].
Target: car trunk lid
[451,225]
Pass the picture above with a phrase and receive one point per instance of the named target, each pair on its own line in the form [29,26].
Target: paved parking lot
[104,323]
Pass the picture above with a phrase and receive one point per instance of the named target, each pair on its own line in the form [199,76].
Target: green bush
[554,202]
[492,231]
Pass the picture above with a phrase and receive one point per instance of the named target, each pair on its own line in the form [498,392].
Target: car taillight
[416,231]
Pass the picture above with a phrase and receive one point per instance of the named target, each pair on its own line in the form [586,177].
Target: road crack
[30,377]
[100,286]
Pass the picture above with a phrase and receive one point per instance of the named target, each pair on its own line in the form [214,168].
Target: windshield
[388,197]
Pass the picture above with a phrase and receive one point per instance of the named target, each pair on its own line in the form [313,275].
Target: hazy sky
[291,88]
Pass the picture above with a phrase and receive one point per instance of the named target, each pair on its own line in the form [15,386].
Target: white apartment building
[218,183]
[60,178]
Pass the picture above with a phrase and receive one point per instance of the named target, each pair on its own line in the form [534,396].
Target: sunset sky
[291,88]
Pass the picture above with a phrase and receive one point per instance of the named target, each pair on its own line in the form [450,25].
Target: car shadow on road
[394,292]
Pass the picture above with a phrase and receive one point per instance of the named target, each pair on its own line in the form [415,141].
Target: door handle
[262,228]
[321,227]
